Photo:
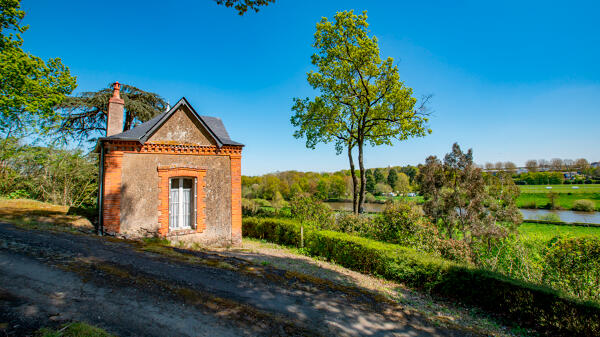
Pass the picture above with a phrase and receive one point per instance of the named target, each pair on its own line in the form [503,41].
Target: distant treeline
[328,186]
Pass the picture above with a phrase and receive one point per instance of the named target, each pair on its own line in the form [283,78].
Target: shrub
[529,305]
[370,197]
[584,205]
[529,204]
[549,217]
[398,223]
[352,223]
[572,264]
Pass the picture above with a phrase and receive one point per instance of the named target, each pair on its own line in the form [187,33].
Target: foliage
[352,223]
[392,179]
[398,223]
[310,210]
[562,200]
[29,87]
[573,264]
[382,189]
[84,115]
[463,204]
[549,217]
[526,304]
[541,178]
[242,6]
[584,205]
[75,329]
[59,176]
[402,184]
[362,100]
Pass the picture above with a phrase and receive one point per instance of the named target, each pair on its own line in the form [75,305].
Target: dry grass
[32,214]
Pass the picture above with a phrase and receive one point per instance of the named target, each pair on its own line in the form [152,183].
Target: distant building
[595,164]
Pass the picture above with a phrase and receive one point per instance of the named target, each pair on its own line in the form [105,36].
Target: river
[528,214]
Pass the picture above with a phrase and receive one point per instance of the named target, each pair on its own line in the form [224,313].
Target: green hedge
[562,223]
[531,306]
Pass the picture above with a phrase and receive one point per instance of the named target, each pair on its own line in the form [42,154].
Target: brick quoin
[236,199]
[111,201]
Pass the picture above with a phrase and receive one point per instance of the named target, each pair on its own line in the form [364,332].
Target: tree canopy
[242,6]
[29,87]
[84,115]
[362,99]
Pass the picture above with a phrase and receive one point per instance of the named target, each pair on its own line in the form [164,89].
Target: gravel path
[48,278]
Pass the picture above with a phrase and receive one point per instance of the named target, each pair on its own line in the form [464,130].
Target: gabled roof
[142,132]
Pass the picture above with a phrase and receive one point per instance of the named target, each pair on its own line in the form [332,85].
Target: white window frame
[180,204]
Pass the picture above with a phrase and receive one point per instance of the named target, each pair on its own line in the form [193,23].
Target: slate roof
[142,132]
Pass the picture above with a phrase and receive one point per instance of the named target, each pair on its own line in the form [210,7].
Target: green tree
[337,187]
[310,210]
[84,115]
[370,184]
[460,200]
[322,189]
[29,87]
[242,6]
[392,179]
[378,175]
[362,100]
[403,183]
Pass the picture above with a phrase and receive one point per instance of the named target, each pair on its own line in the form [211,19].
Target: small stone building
[177,176]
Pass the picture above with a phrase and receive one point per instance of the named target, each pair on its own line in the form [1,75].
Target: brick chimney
[114,123]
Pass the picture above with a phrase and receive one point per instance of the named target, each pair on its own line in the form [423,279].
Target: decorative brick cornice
[169,148]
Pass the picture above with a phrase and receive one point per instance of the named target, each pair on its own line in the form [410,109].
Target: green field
[536,196]
[544,233]
[581,188]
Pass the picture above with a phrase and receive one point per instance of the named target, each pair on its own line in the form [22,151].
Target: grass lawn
[542,232]
[563,200]
[581,188]
[35,214]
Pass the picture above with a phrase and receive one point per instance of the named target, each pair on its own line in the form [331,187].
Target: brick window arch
[166,174]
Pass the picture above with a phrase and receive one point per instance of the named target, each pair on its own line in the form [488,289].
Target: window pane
[174,203]
[187,183]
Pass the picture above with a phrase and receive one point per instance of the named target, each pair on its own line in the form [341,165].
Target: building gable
[182,127]
[212,127]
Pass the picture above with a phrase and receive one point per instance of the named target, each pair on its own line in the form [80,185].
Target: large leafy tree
[362,100]
[84,115]
[29,87]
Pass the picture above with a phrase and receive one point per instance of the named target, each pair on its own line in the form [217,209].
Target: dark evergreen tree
[378,175]
[392,178]
[370,184]
[85,114]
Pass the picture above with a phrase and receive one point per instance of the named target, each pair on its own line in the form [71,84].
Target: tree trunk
[363,178]
[354,182]
[128,121]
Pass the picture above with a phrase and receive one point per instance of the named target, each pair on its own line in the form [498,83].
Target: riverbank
[562,200]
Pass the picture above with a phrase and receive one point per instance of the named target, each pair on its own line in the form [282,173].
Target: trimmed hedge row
[530,305]
[562,223]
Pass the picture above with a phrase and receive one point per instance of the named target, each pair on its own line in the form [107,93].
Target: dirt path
[51,277]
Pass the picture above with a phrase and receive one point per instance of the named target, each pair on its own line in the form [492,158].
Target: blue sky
[512,80]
